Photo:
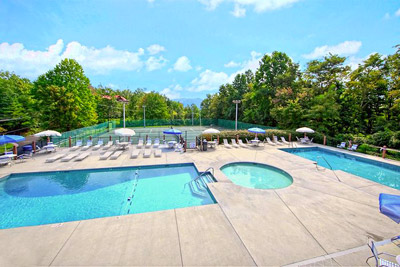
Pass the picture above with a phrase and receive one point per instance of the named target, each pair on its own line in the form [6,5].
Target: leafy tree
[156,106]
[67,84]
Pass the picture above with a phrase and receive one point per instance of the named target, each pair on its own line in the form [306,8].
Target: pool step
[198,185]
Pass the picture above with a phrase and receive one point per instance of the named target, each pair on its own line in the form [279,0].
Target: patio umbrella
[124,132]
[172,131]
[47,133]
[256,131]
[305,130]
[5,139]
[390,206]
[211,131]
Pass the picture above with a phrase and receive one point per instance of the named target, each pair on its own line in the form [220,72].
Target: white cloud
[354,61]
[30,63]
[113,86]
[150,1]
[232,64]
[344,49]
[397,13]
[155,49]
[258,5]
[154,63]
[182,64]
[172,92]
[238,11]
[208,81]
[386,16]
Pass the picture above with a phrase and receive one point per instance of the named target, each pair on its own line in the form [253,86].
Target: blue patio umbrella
[172,131]
[5,139]
[256,131]
[390,206]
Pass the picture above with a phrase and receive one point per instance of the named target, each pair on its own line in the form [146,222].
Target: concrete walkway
[315,217]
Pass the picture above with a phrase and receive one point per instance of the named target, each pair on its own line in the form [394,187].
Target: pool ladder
[198,185]
[330,166]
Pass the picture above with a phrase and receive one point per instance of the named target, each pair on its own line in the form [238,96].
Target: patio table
[171,144]
[212,144]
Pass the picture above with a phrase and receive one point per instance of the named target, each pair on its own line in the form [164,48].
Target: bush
[380,138]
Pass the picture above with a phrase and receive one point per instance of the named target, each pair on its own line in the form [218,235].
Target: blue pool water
[380,172]
[54,197]
[255,175]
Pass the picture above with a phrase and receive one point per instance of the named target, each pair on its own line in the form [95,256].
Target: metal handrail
[330,166]
[210,168]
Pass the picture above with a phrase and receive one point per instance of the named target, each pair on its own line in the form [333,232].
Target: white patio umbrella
[124,132]
[47,133]
[305,130]
[211,131]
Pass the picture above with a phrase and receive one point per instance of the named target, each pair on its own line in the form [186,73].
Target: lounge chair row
[146,154]
[343,145]
[255,142]
[68,157]
[100,143]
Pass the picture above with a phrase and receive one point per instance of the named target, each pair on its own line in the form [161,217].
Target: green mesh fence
[84,133]
[154,123]
[228,124]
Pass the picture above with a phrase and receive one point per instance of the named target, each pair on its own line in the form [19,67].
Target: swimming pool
[380,172]
[52,197]
[256,175]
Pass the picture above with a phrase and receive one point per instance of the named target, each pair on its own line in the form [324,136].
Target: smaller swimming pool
[256,175]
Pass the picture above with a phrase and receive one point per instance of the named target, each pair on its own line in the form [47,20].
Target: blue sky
[187,48]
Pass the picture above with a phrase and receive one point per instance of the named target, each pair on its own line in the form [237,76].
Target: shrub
[380,138]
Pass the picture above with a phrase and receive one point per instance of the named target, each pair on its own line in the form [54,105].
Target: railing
[200,183]
[316,165]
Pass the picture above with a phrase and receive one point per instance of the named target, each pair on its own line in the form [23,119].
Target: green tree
[156,106]
[68,84]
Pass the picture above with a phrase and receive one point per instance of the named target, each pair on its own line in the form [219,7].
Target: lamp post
[144,116]
[123,107]
[192,117]
[200,117]
[236,119]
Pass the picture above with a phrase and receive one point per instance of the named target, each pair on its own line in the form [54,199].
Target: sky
[188,48]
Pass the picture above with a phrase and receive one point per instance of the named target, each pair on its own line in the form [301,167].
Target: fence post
[110,138]
[324,140]
[163,137]
[218,139]
[90,138]
[237,138]
[129,139]
[69,141]
[383,149]
[15,151]
[147,136]
[290,137]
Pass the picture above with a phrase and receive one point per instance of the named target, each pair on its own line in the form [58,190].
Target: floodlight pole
[192,117]
[123,105]
[144,116]
[236,119]
[200,117]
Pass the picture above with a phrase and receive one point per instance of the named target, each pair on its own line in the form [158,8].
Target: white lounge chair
[157,153]
[156,143]
[5,160]
[234,144]
[270,142]
[25,156]
[89,143]
[284,141]
[353,148]
[342,145]
[55,157]
[148,143]
[135,153]
[140,143]
[109,144]
[69,157]
[99,144]
[241,143]
[276,141]
[116,154]
[226,144]
[106,155]
[147,153]
[77,145]
[179,148]
[82,156]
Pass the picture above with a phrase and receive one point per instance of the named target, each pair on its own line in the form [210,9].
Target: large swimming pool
[53,197]
[380,172]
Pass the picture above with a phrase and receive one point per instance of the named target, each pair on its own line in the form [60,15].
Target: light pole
[237,103]
[144,116]
[200,117]
[123,105]
[192,117]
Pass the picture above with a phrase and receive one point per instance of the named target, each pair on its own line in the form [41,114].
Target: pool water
[54,197]
[255,175]
[380,172]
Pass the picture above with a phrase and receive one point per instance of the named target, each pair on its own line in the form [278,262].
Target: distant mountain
[189,101]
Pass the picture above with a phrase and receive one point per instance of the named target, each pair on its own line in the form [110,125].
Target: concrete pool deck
[315,221]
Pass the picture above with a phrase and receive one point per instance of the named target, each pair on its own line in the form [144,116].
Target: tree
[156,106]
[67,84]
